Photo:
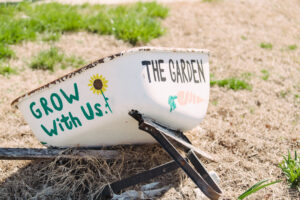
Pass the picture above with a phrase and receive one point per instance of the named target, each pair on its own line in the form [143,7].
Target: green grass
[290,166]
[256,187]
[53,58]
[292,47]
[266,45]
[243,37]
[137,23]
[51,37]
[6,70]
[133,24]
[72,61]
[247,75]
[215,102]
[284,93]
[5,52]
[265,74]
[232,83]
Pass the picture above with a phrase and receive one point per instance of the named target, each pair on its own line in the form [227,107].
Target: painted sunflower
[98,84]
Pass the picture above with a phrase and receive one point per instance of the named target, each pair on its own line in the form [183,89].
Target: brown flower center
[98,84]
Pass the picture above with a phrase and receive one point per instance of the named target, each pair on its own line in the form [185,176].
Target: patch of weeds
[266,45]
[72,61]
[137,23]
[232,83]
[243,37]
[292,47]
[284,93]
[132,24]
[297,96]
[51,37]
[52,58]
[7,70]
[6,52]
[290,166]
[246,75]
[215,102]
[258,186]
[265,74]
[47,60]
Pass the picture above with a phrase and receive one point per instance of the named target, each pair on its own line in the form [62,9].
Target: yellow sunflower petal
[91,83]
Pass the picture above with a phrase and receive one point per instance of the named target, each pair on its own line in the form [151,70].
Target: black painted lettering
[189,69]
[161,71]
[201,70]
[172,73]
[147,63]
[178,72]
[185,78]
[155,70]
[194,71]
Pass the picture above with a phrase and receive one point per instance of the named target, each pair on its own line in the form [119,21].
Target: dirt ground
[247,131]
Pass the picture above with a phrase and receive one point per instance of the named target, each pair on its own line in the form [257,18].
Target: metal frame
[198,174]
[190,164]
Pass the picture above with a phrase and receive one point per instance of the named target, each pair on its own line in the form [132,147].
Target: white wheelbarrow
[165,90]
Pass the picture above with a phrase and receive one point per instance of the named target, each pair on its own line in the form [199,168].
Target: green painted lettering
[71,97]
[37,112]
[99,112]
[52,131]
[89,116]
[44,104]
[58,107]
[65,119]
[60,126]
[74,120]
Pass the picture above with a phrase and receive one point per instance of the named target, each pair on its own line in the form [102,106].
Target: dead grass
[248,131]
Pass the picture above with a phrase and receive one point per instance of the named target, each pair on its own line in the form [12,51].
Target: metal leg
[200,177]
[117,186]
[202,171]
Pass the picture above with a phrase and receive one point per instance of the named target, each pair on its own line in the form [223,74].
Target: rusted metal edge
[15,102]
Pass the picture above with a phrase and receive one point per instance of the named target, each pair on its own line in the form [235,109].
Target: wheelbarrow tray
[89,106]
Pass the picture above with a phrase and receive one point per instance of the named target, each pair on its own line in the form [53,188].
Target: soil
[247,132]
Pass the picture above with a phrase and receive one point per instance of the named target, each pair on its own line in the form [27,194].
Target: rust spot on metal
[182,163]
[103,60]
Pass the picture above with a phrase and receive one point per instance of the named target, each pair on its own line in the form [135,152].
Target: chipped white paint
[89,107]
